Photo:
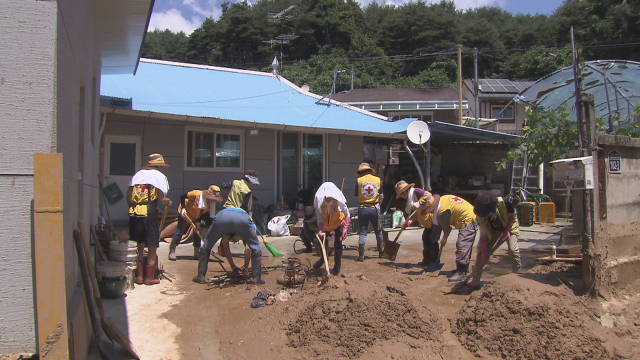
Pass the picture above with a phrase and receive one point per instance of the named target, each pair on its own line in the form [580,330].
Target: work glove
[484,248]
[321,235]
[443,242]
[406,223]
[345,228]
[183,213]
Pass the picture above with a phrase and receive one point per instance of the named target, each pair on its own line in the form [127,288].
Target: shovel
[325,278]
[391,247]
[457,287]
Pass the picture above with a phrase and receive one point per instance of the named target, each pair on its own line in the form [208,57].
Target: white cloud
[173,20]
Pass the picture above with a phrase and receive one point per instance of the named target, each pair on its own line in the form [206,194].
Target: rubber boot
[461,270]
[139,270]
[172,253]
[150,275]
[203,265]
[256,267]
[338,260]
[196,253]
[426,255]
[380,248]
[360,252]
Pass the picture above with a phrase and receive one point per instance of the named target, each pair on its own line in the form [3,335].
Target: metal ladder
[525,175]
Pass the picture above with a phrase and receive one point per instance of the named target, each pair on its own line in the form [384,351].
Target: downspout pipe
[415,162]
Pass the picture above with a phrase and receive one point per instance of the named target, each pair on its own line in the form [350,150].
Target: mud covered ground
[540,314]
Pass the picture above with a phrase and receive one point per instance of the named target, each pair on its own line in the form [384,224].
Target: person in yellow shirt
[431,233]
[452,211]
[369,191]
[193,204]
[497,219]
[333,220]
[147,190]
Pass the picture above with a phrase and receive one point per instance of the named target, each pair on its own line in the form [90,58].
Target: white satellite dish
[418,132]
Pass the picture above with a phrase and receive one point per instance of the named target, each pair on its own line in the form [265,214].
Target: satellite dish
[418,132]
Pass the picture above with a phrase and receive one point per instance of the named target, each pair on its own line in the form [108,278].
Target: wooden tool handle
[402,228]
[324,252]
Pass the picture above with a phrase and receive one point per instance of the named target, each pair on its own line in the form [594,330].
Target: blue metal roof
[252,97]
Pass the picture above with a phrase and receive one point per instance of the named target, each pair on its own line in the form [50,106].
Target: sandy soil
[540,314]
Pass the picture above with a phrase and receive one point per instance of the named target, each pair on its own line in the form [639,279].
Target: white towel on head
[202,201]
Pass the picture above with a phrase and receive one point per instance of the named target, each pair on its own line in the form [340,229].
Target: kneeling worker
[193,204]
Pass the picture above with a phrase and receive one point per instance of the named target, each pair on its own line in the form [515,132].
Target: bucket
[110,270]
[112,289]
[123,251]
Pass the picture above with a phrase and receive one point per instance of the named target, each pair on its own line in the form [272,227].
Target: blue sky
[187,15]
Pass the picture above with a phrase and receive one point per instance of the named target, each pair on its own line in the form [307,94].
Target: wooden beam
[48,249]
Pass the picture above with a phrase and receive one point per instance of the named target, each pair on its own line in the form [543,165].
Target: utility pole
[283,38]
[576,82]
[351,77]
[460,85]
[476,86]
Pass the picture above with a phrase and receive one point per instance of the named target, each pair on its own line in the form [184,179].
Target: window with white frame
[214,149]
[501,112]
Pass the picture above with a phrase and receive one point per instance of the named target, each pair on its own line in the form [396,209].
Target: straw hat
[213,193]
[364,166]
[401,187]
[429,202]
[155,161]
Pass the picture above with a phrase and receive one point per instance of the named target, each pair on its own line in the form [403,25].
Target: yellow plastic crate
[547,213]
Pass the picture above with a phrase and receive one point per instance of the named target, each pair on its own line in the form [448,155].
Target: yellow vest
[424,220]
[141,197]
[239,189]
[332,217]
[369,190]
[191,204]
[461,211]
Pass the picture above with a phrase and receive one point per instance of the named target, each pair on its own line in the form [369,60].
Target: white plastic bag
[398,218]
[278,226]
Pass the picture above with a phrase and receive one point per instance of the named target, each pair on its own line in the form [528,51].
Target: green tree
[165,45]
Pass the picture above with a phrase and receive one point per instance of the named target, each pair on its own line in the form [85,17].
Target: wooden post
[460,85]
[48,244]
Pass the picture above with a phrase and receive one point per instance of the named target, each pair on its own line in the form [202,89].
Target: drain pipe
[415,162]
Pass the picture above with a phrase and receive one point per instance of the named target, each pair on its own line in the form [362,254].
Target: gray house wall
[344,163]
[45,63]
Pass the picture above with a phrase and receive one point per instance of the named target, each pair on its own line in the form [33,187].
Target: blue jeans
[234,221]
[368,215]
[175,241]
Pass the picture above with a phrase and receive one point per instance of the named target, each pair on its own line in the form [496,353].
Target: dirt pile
[343,323]
[521,318]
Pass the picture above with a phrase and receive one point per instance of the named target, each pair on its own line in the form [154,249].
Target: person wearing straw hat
[369,191]
[453,211]
[147,189]
[431,232]
[193,205]
[234,219]
[333,220]
[497,219]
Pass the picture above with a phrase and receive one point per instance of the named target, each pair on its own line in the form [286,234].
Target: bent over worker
[147,189]
[231,221]
[193,204]
[431,233]
[448,211]
[368,188]
[333,220]
[497,219]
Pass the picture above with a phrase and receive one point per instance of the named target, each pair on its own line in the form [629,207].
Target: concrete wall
[28,103]
[344,163]
[616,236]
[49,91]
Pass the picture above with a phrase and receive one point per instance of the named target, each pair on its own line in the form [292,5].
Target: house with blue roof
[212,123]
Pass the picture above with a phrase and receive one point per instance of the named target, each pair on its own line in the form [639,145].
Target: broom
[272,250]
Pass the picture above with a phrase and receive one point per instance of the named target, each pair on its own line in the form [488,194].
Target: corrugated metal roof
[394,95]
[246,98]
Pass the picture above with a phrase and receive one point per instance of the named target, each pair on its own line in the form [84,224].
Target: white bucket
[124,252]
[110,270]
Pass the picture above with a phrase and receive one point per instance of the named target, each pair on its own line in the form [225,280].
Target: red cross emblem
[457,200]
[369,190]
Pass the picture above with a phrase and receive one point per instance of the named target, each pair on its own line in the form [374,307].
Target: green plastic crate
[387,221]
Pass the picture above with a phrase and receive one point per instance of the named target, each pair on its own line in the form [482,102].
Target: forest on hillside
[409,45]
